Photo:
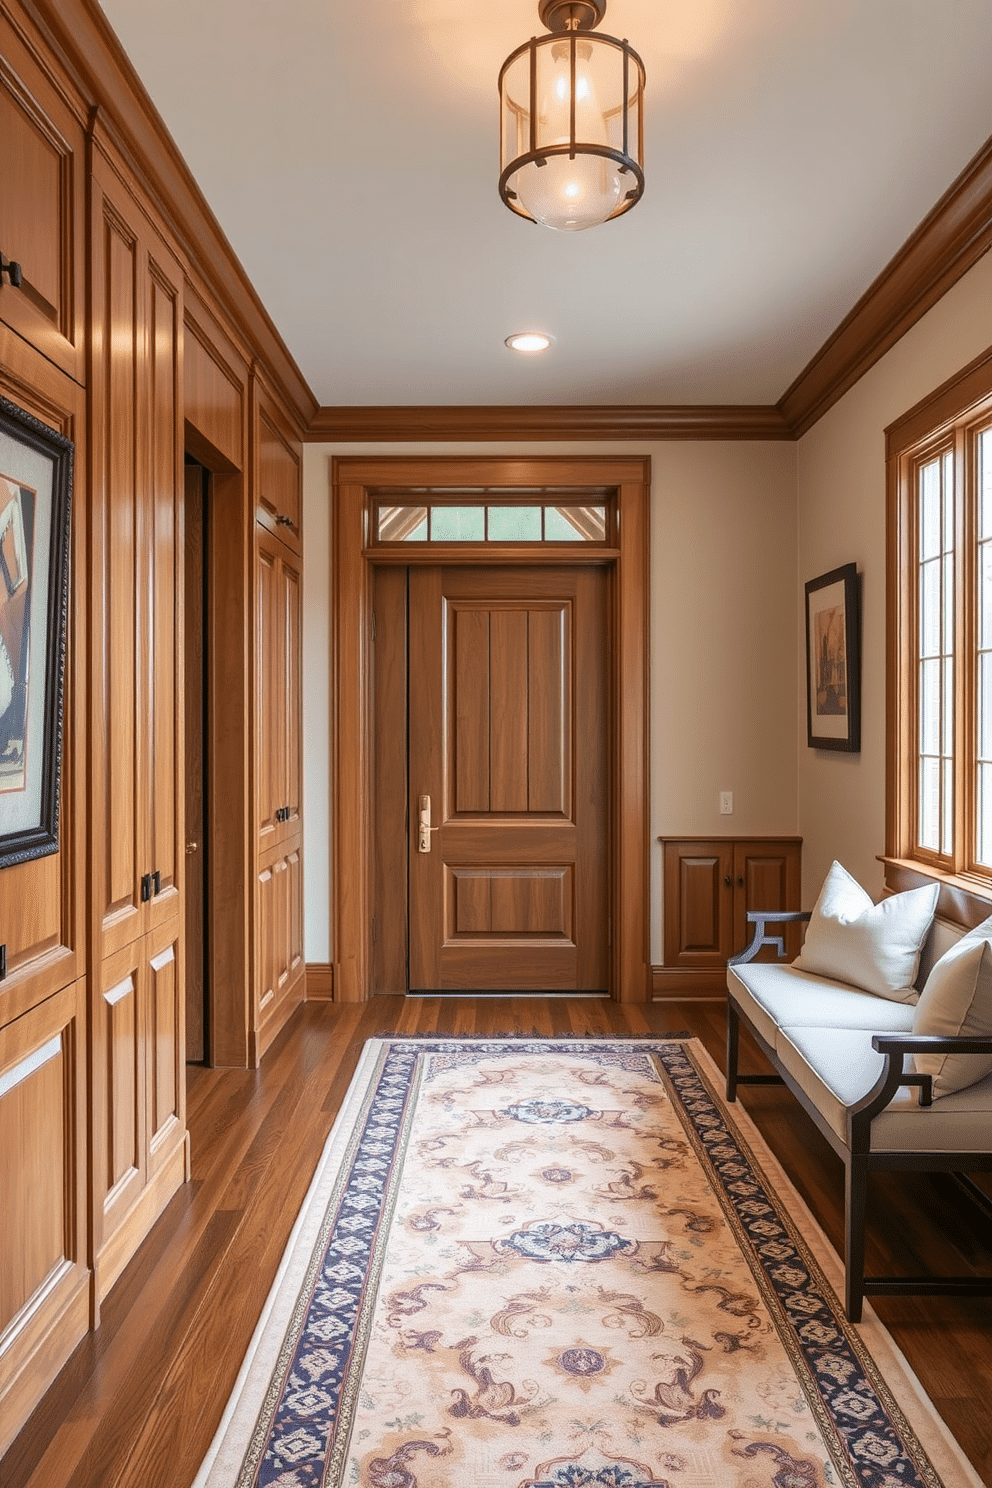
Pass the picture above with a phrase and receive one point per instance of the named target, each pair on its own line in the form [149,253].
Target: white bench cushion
[773,994]
[836,1068]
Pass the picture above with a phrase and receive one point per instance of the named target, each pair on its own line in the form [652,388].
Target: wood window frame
[354,482]
[947,420]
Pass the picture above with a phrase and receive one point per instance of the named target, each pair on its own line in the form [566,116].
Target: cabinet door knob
[191,847]
[728,880]
[740,883]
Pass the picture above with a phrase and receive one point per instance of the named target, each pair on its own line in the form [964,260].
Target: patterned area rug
[563,1264]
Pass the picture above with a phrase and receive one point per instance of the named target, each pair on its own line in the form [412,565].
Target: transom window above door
[492,517]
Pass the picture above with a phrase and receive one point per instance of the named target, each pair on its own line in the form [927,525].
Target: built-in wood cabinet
[136,492]
[710,884]
[278,702]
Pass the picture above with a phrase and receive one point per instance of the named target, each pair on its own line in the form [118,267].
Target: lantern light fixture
[571,121]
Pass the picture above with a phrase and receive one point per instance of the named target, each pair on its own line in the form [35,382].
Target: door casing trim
[352,561]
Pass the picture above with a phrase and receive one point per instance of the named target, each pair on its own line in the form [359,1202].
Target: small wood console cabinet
[709,885]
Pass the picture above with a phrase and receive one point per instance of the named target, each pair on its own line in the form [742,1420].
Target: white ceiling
[350,153]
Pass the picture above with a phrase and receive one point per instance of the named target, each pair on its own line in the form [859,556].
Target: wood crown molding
[551,422]
[947,243]
[88,49]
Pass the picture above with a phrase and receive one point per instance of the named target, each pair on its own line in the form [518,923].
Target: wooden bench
[843,1054]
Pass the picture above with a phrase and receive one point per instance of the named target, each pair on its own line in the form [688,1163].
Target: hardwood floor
[139,1400]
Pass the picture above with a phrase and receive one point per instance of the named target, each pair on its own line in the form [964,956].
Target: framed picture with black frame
[36,466]
[833,660]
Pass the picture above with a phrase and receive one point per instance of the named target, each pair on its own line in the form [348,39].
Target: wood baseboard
[688,984]
[319,981]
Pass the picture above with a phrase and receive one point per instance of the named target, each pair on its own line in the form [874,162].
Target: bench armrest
[759,918]
[895,1047]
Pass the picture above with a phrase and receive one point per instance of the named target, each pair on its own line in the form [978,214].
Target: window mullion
[965,667]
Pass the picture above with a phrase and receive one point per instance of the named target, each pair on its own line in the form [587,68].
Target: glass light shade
[571,130]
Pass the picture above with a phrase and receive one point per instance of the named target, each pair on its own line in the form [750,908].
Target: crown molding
[88,49]
[408,423]
[947,243]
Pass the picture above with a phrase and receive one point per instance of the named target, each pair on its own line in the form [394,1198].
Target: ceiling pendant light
[571,121]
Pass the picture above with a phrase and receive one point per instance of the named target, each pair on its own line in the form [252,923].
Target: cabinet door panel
[118,1089]
[698,903]
[166,1070]
[137,489]
[294,927]
[163,513]
[767,876]
[268,793]
[43,1273]
[43,204]
[267,940]
[278,498]
[291,697]
[118,699]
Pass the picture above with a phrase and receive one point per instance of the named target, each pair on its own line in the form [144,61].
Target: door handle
[424,828]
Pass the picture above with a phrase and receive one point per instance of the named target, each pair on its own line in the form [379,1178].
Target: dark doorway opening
[197,763]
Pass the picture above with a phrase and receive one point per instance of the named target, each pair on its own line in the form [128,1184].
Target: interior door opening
[197,733]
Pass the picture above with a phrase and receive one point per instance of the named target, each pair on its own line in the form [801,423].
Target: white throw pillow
[957,999]
[872,946]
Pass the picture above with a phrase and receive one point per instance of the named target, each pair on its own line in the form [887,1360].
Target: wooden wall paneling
[216,386]
[44,1276]
[43,902]
[44,200]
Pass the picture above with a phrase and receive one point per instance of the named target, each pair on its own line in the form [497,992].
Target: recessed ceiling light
[529,341]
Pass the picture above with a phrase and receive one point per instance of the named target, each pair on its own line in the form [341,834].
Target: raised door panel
[268,698]
[699,903]
[766,876]
[166,795]
[267,943]
[43,1272]
[166,1098]
[280,472]
[291,697]
[119,1089]
[294,914]
[120,748]
[41,227]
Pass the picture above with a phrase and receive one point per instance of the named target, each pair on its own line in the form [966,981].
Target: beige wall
[723,646]
[841,512]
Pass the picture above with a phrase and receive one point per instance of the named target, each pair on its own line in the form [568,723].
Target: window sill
[963,900]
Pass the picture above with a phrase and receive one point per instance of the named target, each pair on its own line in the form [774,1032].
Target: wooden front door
[508,729]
